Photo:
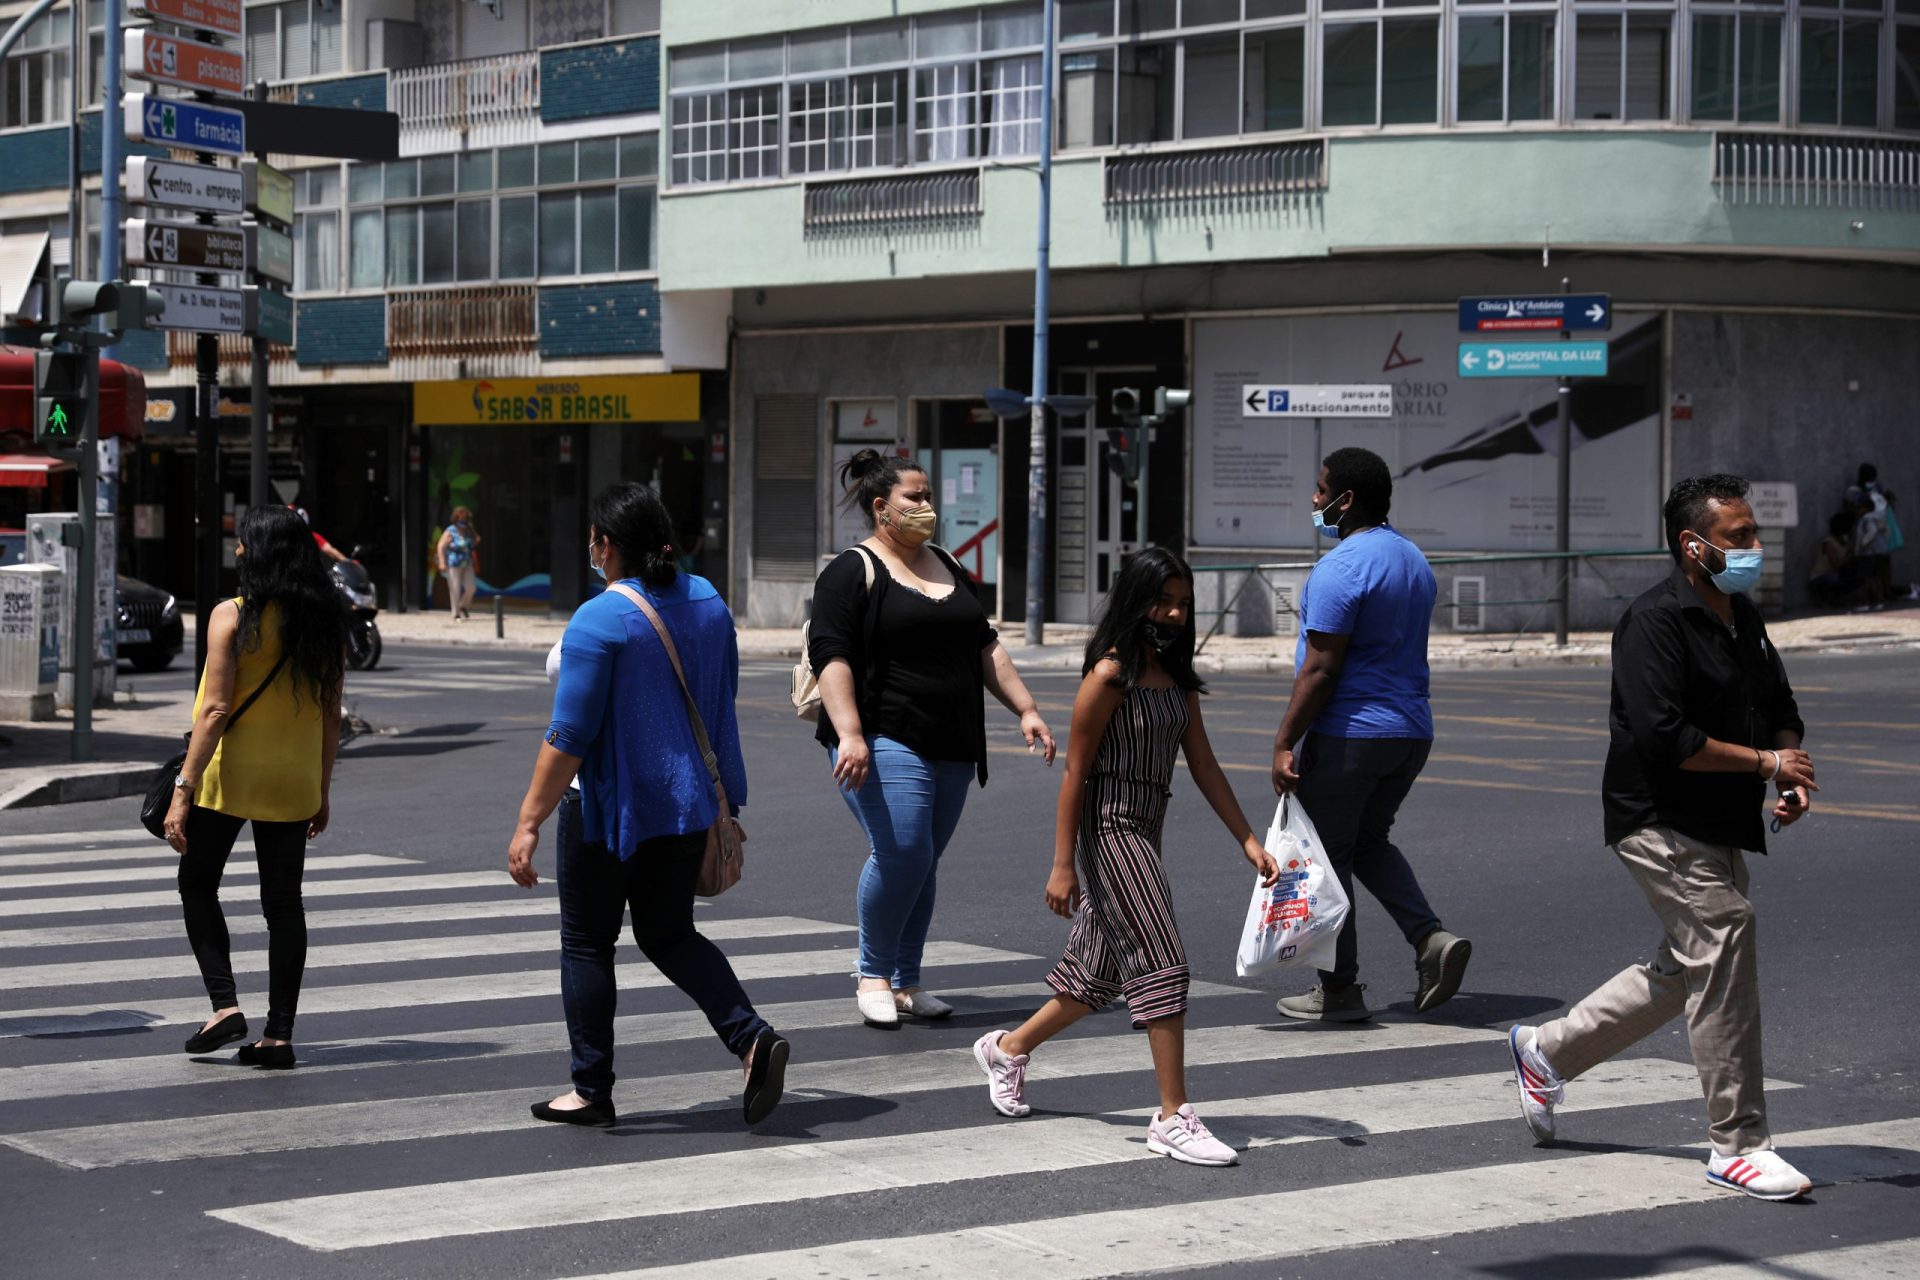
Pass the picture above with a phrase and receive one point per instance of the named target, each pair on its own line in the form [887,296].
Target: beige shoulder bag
[725,858]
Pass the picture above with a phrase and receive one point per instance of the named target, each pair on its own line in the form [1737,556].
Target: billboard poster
[1474,460]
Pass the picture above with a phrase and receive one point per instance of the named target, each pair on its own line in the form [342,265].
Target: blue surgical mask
[598,572]
[1742,571]
[1320,520]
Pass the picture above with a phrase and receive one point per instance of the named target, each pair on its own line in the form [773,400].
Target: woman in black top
[903,665]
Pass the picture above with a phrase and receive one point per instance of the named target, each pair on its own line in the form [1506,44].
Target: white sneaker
[877,1008]
[919,1004]
[1760,1174]
[1183,1137]
[1006,1075]
[1540,1088]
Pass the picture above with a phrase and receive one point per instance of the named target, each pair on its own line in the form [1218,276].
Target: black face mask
[1159,636]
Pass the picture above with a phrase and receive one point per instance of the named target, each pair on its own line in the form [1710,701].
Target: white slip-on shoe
[1760,1174]
[877,1008]
[1006,1075]
[919,1004]
[1183,1137]
[1540,1088]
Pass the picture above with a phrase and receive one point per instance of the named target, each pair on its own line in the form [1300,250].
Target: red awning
[123,396]
[29,470]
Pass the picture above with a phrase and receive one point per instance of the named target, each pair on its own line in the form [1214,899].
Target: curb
[112,781]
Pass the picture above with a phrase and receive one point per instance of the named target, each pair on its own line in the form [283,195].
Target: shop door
[1096,525]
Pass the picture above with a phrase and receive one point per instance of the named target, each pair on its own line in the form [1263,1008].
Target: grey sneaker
[1441,964]
[1345,1004]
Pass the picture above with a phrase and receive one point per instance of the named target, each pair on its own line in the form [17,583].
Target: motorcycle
[356,588]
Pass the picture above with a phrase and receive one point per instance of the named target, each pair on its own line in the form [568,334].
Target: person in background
[1138,707]
[1871,540]
[285,638]
[620,725]
[1835,578]
[459,560]
[905,655]
[327,549]
[1361,720]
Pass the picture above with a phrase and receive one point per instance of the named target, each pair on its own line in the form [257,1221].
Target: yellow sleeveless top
[267,766]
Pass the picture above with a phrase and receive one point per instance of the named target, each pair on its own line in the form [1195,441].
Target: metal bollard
[499,617]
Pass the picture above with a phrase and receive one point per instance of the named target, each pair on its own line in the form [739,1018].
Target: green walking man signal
[60,386]
[57,420]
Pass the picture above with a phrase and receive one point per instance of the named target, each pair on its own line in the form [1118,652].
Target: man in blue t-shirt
[1360,701]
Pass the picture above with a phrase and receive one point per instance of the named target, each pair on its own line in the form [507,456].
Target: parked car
[151,634]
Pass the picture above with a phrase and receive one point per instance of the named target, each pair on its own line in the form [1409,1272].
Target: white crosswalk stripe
[430,1018]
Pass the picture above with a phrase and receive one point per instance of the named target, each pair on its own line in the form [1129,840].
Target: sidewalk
[135,735]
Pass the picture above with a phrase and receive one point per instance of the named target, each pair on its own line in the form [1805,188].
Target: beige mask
[914,525]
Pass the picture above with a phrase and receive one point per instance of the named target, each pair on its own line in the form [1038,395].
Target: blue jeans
[908,807]
[596,890]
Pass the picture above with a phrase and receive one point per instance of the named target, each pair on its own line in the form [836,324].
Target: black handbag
[153,809]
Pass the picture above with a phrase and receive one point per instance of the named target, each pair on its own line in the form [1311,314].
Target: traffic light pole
[206,445]
[85,646]
[1037,423]
[257,392]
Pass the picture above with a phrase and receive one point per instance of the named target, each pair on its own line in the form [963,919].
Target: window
[365,250]
[599,232]
[1840,72]
[1086,99]
[403,245]
[1144,86]
[518,238]
[1409,71]
[34,79]
[1010,106]
[638,246]
[1906,76]
[1504,66]
[1621,66]
[316,231]
[474,227]
[699,129]
[879,119]
[437,243]
[817,126]
[1348,60]
[943,105]
[293,40]
[1276,80]
[1210,86]
[1736,67]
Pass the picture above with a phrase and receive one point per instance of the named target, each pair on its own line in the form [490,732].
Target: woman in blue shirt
[646,801]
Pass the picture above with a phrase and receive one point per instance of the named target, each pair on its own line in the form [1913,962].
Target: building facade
[1297,191]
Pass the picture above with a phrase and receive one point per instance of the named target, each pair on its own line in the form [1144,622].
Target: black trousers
[281,849]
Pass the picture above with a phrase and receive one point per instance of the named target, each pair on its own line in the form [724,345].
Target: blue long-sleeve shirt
[618,707]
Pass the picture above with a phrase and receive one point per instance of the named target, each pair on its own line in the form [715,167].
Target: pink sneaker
[1006,1075]
[1183,1137]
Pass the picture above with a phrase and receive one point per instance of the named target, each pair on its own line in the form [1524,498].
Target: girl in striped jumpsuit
[1139,703]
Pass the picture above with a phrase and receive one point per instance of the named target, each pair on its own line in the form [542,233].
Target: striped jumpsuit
[1124,940]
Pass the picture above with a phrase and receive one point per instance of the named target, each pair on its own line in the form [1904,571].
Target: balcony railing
[925,202]
[482,320]
[236,350]
[1810,170]
[1229,178]
[463,95]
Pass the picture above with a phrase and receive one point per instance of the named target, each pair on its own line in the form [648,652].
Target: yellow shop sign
[559,402]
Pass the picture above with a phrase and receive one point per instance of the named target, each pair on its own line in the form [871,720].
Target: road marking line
[387,951]
[1218,1232]
[152,851]
[119,875]
[769,1175]
[892,1075]
[77,839]
[75,935]
[93,905]
[467,989]
[171,1070]
[1889,1258]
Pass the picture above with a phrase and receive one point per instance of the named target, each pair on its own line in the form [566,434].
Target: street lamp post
[1037,426]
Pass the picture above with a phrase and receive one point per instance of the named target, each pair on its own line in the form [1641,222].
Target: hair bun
[863,462]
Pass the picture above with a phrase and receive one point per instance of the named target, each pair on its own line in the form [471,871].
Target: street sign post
[185,246]
[270,250]
[192,126]
[273,315]
[268,191]
[1533,359]
[170,185]
[201,309]
[165,59]
[221,17]
[1548,312]
[1318,400]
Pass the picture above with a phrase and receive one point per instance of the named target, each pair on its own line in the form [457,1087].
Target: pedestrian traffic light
[125,306]
[1126,403]
[60,392]
[1123,452]
[1167,399]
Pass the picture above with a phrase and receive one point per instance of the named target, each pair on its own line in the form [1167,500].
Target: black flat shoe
[767,1077]
[271,1057]
[595,1115]
[219,1035]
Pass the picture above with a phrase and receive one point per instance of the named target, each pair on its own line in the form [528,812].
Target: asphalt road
[430,1021]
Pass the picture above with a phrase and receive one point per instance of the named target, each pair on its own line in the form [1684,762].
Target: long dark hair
[632,517]
[870,475]
[1135,590]
[281,565]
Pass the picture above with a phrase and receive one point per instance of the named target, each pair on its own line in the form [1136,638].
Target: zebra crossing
[403,677]
[430,1018]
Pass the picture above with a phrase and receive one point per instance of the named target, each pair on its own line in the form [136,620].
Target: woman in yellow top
[285,636]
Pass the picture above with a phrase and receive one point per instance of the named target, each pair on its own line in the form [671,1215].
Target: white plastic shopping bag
[1297,921]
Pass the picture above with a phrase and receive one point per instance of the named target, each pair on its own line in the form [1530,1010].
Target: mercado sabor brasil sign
[660,397]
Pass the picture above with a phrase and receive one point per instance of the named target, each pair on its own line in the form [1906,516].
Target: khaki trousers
[1706,967]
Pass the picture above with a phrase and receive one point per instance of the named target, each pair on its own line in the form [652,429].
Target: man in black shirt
[1702,719]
